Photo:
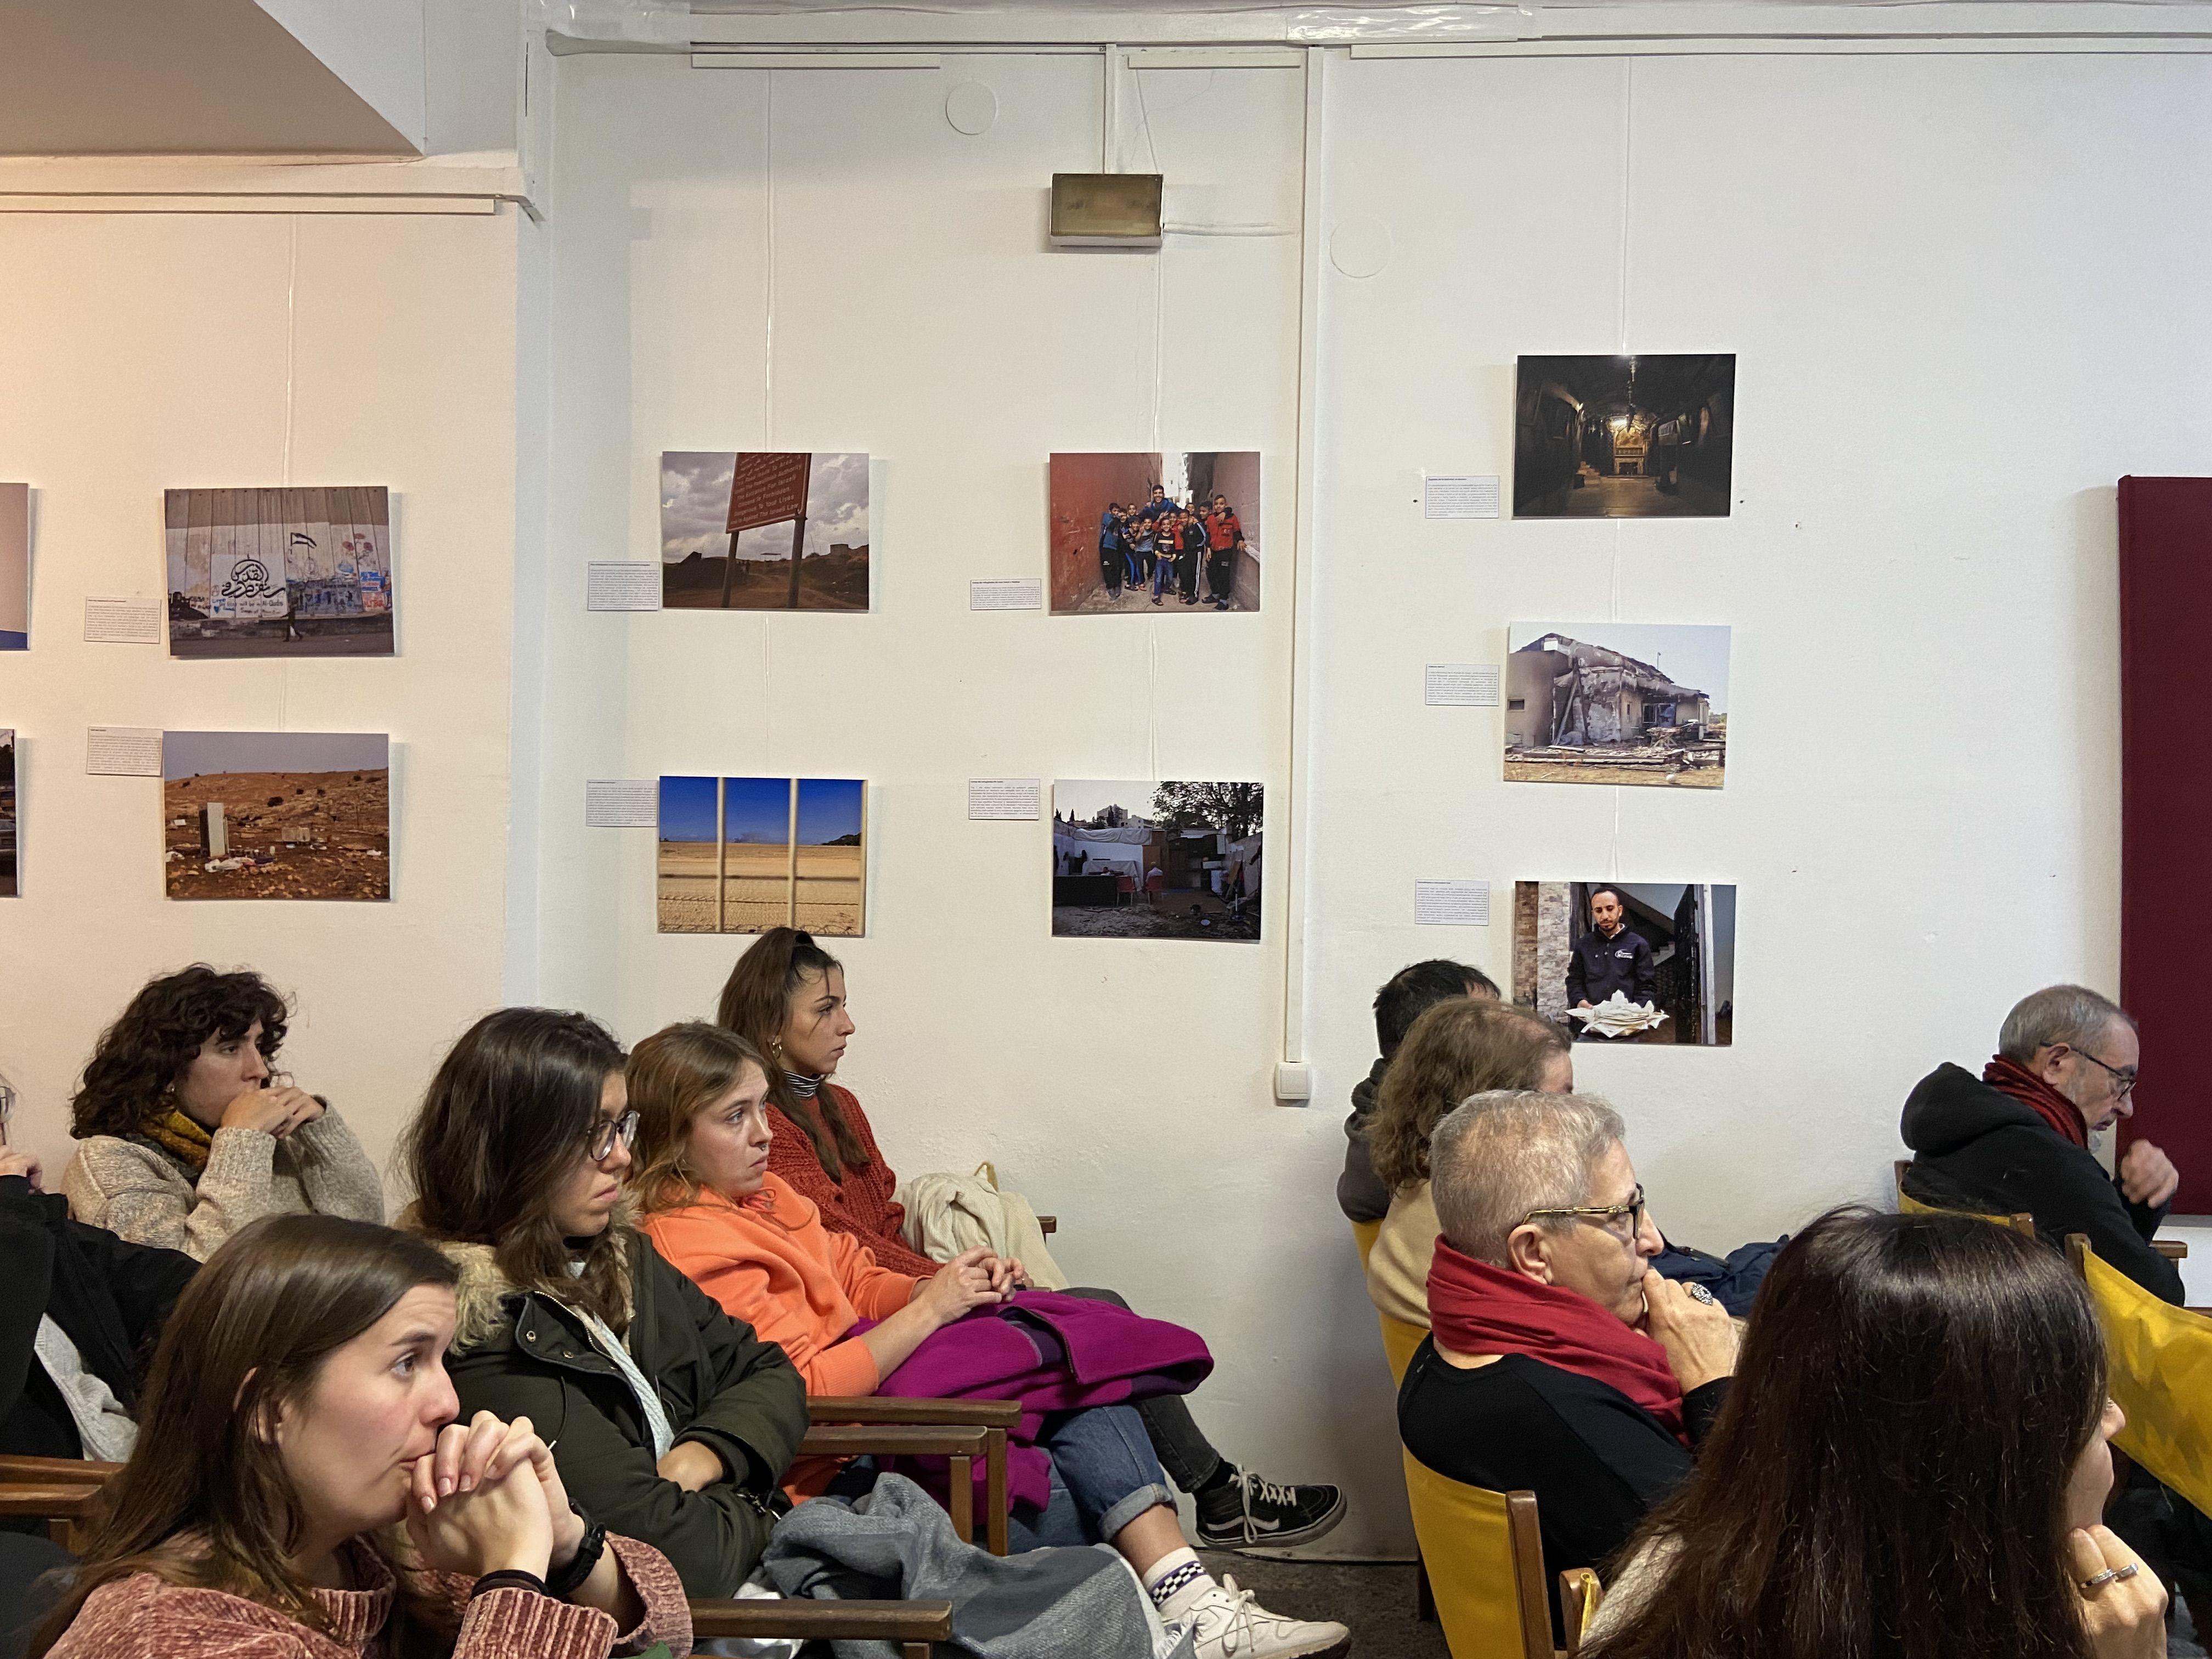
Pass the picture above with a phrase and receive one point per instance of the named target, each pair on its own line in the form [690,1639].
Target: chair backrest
[2159,1368]
[2020,1220]
[1398,1339]
[1485,1556]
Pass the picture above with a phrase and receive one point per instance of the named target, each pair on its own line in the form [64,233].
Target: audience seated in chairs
[674,1422]
[296,1413]
[715,1210]
[78,1309]
[1913,1464]
[786,997]
[1559,1363]
[184,1134]
[1405,997]
[1458,1048]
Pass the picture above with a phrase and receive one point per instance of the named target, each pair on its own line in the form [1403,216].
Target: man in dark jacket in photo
[2017,1138]
[1610,957]
[1407,994]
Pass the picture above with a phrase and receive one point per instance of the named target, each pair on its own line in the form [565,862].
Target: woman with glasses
[670,1421]
[187,1132]
[1557,1362]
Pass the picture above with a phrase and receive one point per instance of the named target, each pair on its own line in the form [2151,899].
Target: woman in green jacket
[670,1422]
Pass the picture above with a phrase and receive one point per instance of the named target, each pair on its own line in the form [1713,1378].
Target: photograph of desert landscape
[741,855]
[831,857]
[276,815]
[763,530]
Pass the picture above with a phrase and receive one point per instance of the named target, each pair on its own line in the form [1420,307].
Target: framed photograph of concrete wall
[1617,703]
[1628,962]
[14,567]
[276,815]
[1645,437]
[763,530]
[1156,860]
[1143,534]
[280,573]
[9,884]
[741,855]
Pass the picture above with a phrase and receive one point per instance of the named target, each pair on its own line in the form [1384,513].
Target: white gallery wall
[1956,284]
[140,352]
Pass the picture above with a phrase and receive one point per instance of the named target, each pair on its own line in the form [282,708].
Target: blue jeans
[1104,1476]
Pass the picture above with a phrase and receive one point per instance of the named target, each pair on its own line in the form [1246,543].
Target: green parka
[523,1354]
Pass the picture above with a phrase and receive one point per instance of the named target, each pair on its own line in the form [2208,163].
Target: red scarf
[1475,1308]
[2038,1097]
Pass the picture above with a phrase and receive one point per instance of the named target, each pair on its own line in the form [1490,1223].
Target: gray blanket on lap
[896,1544]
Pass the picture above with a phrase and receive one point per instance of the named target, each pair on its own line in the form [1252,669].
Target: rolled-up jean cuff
[1130,1508]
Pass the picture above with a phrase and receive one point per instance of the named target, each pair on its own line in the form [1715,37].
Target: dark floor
[1376,1602]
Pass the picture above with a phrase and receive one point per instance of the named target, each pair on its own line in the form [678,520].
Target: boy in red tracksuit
[1224,536]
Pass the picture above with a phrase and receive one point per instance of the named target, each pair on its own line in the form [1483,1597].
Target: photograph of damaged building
[1690,927]
[1624,437]
[1617,703]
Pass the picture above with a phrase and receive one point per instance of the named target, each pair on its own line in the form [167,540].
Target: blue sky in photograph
[189,754]
[756,810]
[829,808]
[1694,655]
[687,809]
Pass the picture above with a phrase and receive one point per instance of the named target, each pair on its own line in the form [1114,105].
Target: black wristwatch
[569,1579]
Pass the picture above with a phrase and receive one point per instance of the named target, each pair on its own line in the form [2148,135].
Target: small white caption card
[1459,496]
[1452,904]
[1005,797]
[123,751]
[610,584]
[1459,685]
[1007,594]
[622,802]
[123,622]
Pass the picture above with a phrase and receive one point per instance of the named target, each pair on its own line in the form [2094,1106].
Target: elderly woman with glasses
[670,1421]
[1557,1362]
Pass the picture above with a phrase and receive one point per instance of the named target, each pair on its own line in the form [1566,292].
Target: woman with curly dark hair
[184,1131]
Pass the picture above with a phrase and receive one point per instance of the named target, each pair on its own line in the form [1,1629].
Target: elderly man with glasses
[2017,1138]
[1557,1362]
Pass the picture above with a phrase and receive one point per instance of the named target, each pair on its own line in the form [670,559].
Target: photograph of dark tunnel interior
[1606,437]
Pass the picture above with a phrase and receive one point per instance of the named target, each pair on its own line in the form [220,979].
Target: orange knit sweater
[771,1263]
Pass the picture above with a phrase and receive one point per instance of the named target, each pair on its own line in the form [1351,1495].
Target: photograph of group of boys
[1146,533]
[1628,962]
[1156,860]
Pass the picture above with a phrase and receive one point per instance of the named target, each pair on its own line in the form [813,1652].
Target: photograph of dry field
[741,855]
[763,530]
[276,815]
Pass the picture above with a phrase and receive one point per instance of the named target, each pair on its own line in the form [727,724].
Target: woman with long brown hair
[1457,1048]
[1081,1471]
[296,1414]
[1912,1463]
[786,996]
[674,1422]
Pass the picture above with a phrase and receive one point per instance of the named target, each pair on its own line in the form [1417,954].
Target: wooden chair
[62,1492]
[1490,1593]
[2159,1369]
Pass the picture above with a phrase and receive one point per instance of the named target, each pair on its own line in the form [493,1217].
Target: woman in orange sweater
[759,1248]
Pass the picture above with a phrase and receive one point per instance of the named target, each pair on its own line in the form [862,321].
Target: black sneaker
[1245,1512]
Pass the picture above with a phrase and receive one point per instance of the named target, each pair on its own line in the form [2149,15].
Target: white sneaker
[1227,1623]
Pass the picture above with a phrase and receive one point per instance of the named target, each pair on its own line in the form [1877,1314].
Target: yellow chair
[1489,1588]
[2158,1365]
[1398,1339]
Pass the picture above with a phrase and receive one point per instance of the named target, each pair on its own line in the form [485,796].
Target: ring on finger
[2110,1575]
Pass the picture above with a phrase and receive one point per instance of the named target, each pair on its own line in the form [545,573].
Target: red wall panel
[2166,816]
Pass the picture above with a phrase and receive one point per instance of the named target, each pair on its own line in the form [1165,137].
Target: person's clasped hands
[1698,1334]
[487,1499]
